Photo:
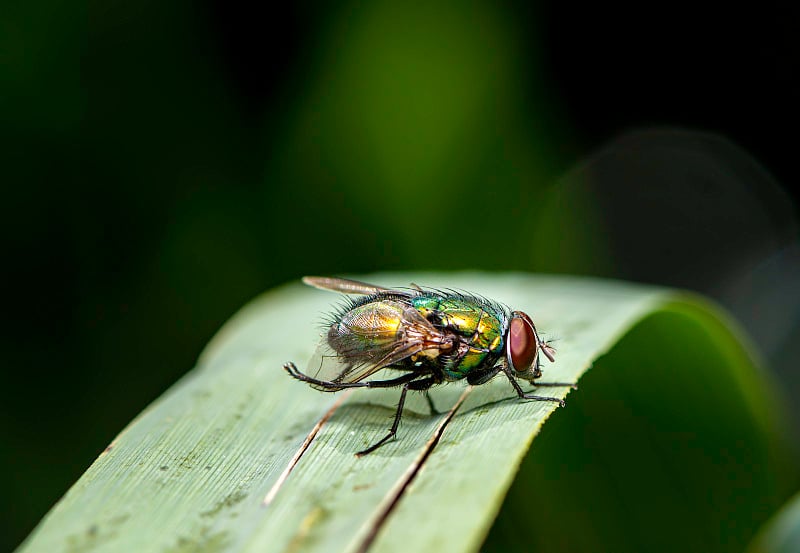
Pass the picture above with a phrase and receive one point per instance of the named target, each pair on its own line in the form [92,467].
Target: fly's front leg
[420,385]
[504,367]
[538,373]
[555,385]
[482,376]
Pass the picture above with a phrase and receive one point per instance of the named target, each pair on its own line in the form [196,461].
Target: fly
[432,336]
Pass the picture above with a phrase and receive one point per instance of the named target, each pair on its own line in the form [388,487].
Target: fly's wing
[370,337]
[346,286]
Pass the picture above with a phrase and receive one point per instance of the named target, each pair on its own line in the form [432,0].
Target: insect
[432,336]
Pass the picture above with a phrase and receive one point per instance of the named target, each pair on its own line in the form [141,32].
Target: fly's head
[523,346]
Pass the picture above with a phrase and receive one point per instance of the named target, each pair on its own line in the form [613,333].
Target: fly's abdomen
[372,325]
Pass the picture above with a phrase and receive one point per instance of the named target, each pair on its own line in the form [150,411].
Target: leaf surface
[237,456]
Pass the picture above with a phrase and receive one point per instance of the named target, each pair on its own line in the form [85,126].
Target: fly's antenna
[548,350]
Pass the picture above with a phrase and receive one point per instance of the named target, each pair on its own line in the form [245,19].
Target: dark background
[164,162]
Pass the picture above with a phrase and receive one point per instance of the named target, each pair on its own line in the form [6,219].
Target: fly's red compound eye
[523,344]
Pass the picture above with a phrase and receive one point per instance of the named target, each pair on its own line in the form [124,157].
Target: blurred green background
[164,162]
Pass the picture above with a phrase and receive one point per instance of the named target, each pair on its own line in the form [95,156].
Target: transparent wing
[345,286]
[370,338]
[332,367]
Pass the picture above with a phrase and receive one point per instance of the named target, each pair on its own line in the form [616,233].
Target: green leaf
[675,437]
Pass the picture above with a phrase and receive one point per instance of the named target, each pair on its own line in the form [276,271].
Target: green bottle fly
[432,336]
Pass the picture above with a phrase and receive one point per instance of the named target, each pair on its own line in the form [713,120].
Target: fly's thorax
[477,326]
[480,323]
[470,359]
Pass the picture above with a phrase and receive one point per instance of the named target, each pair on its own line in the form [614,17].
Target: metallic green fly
[433,336]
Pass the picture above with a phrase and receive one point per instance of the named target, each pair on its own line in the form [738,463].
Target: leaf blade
[227,432]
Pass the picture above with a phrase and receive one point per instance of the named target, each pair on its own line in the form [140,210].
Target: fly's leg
[482,376]
[538,372]
[431,406]
[410,381]
[421,385]
[555,385]
[328,386]
[393,429]
[504,367]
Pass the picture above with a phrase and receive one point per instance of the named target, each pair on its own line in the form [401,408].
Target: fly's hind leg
[328,386]
[421,385]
